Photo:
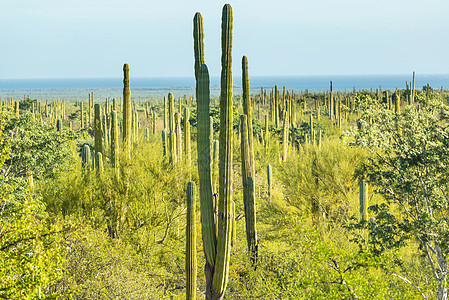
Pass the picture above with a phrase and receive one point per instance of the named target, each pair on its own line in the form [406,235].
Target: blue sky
[93,38]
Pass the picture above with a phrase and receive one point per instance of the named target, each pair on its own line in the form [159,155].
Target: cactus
[81,115]
[364,200]
[99,162]
[267,133]
[198,40]
[165,112]
[276,106]
[285,137]
[164,141]
[187,135]
[154,122]
[86,157]
[204,172]
[311,132]
[98,130]
[215,160]
[178,136]
[59,125]
[171,130]
[114,142]
[16,109]
[247,110]
[269,180]
[90,111]
[220,277]
[250,218]
[126,111]
[191,260]
[397,103]
[248,190]
[412,99]
[105,132]
[331,104]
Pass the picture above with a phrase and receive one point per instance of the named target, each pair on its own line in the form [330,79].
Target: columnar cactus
[164,141]
[165,112]
[276,106]
[204,174]
[98,130]
[198,40]
[220,277]
[99,162]
[215,159]
[331,104]
[270,179]
[114,142]
[154,122]
[266,132]
[171,130]
[178,136]
[191,259]
[127,118]
[86,157]
[247,110]
[59,125]
[248,190]
[285,137]
[187,135]
[250,218]
[412,100]
[364,200]
[82,115]
[397,103]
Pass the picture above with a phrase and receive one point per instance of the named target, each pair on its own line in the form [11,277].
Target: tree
[409,167]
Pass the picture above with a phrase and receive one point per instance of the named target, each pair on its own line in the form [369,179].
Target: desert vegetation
[275,194]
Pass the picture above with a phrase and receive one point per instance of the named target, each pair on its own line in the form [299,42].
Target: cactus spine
[127,118]
[220,277]
[364,200]
[97,130]
[191,260]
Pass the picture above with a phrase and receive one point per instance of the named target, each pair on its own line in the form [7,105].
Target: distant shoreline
[148,88]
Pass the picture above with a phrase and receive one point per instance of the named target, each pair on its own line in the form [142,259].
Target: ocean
[147,88]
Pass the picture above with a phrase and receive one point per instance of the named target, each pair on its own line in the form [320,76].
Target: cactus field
[254,192]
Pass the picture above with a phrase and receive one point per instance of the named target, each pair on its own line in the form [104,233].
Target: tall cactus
[81,116]
[247,110]
[187,135]
[285,131]
[364,200]
[114,142]
[331,103]
[248,190]
[178,136]
[198,40]
[164,142]
[98,130]
[191,259]
[220,277]
[270,179]
[165,112]
[171,130]
[127,118]
[86,158]
[215,160]
[58,125]
[276,106]
[204,175]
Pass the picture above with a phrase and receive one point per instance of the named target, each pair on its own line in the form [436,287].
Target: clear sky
[93,38]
